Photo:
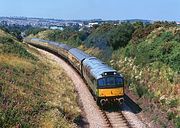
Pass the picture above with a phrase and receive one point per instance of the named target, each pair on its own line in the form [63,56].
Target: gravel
[132,118]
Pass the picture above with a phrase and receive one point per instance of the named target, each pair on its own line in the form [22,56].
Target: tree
[121,35]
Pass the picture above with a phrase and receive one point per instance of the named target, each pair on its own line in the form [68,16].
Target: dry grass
[2,33]
[16,62]
[61,100]
[35,93]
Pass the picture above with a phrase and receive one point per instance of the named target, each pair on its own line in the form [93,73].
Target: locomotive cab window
[119,81]
[110,82]
[101,82]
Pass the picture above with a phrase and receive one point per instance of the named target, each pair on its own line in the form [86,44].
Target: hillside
[147,55]
[151,65]
[33,89]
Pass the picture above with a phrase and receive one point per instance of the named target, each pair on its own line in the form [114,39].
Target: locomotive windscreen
[110,82]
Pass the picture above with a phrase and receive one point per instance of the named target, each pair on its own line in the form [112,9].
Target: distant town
[59,23]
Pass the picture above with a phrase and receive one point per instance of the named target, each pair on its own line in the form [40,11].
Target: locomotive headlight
[105,73]
[114,73]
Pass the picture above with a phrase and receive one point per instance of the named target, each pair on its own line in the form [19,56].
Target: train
[105,83]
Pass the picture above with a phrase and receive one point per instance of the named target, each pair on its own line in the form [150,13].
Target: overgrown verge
[147,55]
[150,63]
[151,67]
[34,92]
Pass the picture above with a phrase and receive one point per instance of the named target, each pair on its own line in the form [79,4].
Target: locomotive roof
[97,68]
[80,55]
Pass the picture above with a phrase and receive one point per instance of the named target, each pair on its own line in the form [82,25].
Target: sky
[93,9]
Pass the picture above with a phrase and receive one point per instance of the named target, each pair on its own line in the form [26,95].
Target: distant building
[56,28]
[91,24]
[81,24]
[178,23]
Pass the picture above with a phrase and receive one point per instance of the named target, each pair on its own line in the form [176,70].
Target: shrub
[141,90]
[120,35]
[12,47]
[5,40]
[166,36]
[163,49]
[177,121]
[173,103]
[108,35]
[177,36]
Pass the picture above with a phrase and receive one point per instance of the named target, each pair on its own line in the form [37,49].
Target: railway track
[115,119]
[99,117]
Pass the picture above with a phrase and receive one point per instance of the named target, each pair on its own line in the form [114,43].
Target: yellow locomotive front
[110,89]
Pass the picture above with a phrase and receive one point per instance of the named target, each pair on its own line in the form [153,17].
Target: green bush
[173,103]
[120,35]
[140,90]
[5,40]
[74,40]
[109,35]
[12,47]
[177,36]
[163,49]
[34,31]
[166,36]
[177,121]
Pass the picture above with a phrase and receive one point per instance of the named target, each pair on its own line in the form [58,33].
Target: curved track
[97,118]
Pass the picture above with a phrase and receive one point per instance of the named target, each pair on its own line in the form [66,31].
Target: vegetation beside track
[147,55]
[34,91]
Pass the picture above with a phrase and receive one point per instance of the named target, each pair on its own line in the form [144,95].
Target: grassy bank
[34,91]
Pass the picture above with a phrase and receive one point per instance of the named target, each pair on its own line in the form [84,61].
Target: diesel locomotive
[105,83]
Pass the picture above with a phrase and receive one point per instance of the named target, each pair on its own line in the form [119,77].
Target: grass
[10,46]
[34,91]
